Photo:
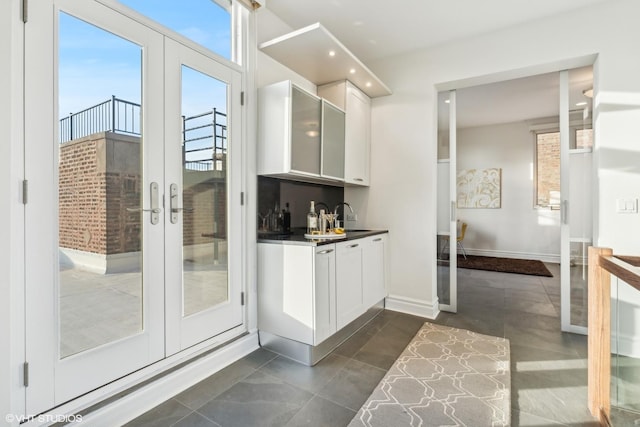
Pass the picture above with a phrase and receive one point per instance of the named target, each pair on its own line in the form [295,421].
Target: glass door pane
[204,191]
[577,205]
[446,248]
[306,111]
[100,187]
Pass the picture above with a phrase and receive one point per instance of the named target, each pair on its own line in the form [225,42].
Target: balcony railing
[112,115]
[204,141]
[204,136]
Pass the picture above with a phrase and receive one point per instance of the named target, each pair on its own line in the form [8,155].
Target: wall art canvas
[479,188]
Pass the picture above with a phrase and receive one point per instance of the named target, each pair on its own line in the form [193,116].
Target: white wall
[517,229]
[402,195]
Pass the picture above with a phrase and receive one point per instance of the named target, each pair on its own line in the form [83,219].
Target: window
[206,22]
[548,169]
[548,163]
[583,138]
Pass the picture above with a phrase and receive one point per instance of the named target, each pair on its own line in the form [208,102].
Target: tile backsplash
[272,191]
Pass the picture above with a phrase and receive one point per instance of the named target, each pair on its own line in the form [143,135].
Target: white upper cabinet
[357,107]
[333,139]
[300,137]
[304,122]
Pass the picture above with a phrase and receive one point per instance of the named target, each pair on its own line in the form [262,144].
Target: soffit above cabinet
[307,52]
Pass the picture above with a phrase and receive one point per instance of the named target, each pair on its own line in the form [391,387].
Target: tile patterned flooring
[549,368]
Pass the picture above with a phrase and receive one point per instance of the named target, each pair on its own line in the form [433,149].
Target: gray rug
[445,377]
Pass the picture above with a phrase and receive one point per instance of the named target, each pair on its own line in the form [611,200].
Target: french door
[133,219]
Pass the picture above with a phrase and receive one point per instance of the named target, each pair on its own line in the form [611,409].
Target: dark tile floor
[549,368]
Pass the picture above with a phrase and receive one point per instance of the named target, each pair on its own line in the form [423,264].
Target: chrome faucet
[323,204]
[335,211]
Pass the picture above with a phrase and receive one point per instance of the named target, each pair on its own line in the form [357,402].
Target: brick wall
[548,165]
[204,200]
[99,179]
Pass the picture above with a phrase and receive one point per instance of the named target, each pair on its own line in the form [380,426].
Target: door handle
[173,204]
[564,212]
[155,209]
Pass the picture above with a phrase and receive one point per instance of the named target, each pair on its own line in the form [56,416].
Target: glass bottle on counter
[312,219]
[286,219]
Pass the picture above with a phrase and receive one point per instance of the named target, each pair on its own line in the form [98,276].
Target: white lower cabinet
[349,290]
[308,293]
[324,301]
[296,291]
[374,269]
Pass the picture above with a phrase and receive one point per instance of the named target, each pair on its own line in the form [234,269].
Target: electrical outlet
[352,217]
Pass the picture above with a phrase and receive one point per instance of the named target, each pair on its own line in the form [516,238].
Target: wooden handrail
[602,264]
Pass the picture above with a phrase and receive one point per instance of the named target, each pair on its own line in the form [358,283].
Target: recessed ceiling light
[352,71]
[332,53]
[368,84]
[312,133]
[446,101]
[581,104]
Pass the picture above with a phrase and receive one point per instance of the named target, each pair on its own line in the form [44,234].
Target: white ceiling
[375,29]
[516,100]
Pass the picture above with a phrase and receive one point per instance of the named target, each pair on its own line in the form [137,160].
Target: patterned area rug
[445,377]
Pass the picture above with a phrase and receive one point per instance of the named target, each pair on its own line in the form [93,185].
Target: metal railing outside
[112,115]
[204,141]
[204,136]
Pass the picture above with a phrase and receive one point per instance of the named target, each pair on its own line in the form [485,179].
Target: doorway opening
[527,144]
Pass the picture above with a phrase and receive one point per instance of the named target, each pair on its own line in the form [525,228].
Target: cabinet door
[357,136]
[333,128]
[374,269]
[305,132]
[324,293]
[349,292]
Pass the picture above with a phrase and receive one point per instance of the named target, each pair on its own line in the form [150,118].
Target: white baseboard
[416,307]
[124,409]
[100,263]
[625,345]
[551,258]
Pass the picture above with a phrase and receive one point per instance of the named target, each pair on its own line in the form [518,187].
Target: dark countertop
[297,237]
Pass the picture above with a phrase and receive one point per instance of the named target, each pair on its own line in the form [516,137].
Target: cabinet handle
[355,245]
[326,251]
[358,179]
[378,239]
